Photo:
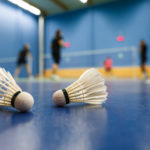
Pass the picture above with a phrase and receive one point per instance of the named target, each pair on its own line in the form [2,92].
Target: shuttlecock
[89,88]
[12,95]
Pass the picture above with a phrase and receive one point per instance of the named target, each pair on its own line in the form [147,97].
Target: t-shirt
[23,53]
[143,50]
[55,45]
[108,63]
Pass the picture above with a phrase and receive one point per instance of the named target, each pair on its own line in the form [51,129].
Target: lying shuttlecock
[12,95]
[89,88]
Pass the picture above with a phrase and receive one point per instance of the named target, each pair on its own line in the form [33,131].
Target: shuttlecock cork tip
[59,98]
[23,101]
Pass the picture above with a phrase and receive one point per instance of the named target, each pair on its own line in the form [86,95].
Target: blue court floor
[122,123]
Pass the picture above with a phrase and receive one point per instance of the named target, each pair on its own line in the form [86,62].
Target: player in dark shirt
[56,45]
[143,57]
[22,60]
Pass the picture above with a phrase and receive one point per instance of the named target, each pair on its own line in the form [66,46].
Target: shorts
[56,57]
[21,62]
[108,69]
[143,60]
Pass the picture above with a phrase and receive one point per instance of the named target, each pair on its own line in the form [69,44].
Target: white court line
[148,81]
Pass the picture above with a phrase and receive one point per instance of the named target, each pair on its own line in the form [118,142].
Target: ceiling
[51,7]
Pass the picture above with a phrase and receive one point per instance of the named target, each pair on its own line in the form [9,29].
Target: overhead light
[83,1]
[26,6]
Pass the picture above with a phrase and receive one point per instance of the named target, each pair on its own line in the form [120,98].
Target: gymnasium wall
[16,28]
[92,33]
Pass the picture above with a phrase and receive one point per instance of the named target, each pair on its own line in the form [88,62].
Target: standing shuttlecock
[12,95]
[89,88]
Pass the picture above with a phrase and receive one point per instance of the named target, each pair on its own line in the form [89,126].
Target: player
[56,45]
[143,57]
[108,66]
[24,54]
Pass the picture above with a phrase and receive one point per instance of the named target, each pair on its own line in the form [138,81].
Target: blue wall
[97,28]
[16,28]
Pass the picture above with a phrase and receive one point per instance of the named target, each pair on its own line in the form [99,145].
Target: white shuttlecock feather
[12,95]
[89,88]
